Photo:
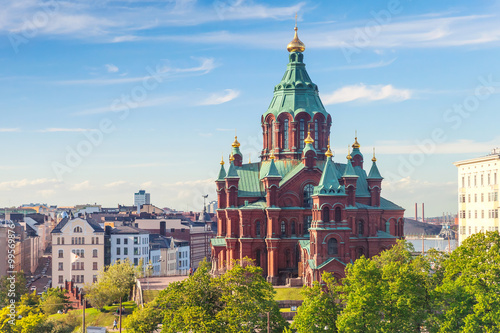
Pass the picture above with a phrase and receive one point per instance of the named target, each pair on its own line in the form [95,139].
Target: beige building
[478,194]
[77,251]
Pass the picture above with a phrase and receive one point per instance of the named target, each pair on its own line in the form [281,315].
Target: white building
[175,255]
[130,243]
[478,194]
[77,251]
[141,198]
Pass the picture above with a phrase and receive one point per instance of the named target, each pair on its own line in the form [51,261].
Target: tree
[319,311]
[388,293]
[144,320]
[469,297]
[113,284]
[54,300]
[12,286]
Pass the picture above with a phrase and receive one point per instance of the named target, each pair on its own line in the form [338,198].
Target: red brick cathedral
[297,212]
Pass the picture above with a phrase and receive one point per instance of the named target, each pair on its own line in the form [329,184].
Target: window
[333,248]
[482,214]
[118,241]
[316,133]
[136,261]
[272,134]
[81,279]
[285,134]
[283,228]
[302,126]
[136,251]
[94,266]
[292,224]
[94,278]
[468,181]
[125,251]
[307,224]
[475,180]
[482,197]
[136,240]
[361,228]
[117,251]
[62,240]
[60,254]
[72,240]
[463,181]
[308,191]
[475,197]
[125,241]
[83,240]
[489,179]
[77,229]
[326,214]
[60,266]
[58,241]
[482,180]
[61,279]
[94,253]
[172,229]
[92,240]
[338,214]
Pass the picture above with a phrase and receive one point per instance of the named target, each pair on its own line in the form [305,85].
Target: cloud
[456,147]
[366,93]
[111,68]
[53,129]
[115,184]
[2,130]
[85,185]
[378,64]
[149,102]
[25,183]
[220,98]
[162,72]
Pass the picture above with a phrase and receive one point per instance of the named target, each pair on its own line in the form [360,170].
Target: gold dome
[271,156]
[296,44]
[236,144]
[356,143]
[374,159]
[231,158]
[308,139]
[328,152]
[222,160]
[349,157]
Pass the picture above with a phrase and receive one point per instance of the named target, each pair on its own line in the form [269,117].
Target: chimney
[423,215]
[416,212]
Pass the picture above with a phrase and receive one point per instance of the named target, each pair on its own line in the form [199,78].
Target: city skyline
[103,100]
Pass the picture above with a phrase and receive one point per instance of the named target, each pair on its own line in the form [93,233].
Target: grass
[288,294]
[93,317]
[150,295]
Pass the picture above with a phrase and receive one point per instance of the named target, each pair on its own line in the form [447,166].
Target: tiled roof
[219,241]
[125,229]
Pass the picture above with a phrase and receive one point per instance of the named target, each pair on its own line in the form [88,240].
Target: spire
[374,173]
[349,157]
[232,172]
[349,170]
[271,156]
[236,144]
[222,172]
[329,182]
[296,44]
[222,160]
[328,152]
[273,171]
[356,144]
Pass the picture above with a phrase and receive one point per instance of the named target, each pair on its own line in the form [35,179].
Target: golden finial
[231,158]
[295,45]
[349,153]
[328,151]
[271,156]
[222,159]
[374,159]
[356,143]
[249,159]
[236,144]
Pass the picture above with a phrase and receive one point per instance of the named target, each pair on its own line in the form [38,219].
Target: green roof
[356,151]
[384,204]
[236,151]
[307,148]
[232,173]
[218,241]
[374,173]
[329,182]
[222,173]
[296,92]
[273,171]
[349,170]
[305,244]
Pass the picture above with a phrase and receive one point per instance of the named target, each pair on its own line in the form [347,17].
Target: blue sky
[150,92]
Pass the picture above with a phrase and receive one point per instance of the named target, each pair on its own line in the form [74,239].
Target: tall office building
[478,194]
[141,198]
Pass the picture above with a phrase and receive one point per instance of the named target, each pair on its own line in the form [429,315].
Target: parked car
[33,288]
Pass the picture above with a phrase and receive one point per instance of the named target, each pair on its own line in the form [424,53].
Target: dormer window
[77,229]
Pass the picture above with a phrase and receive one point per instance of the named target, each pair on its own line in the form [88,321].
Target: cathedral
[298,212]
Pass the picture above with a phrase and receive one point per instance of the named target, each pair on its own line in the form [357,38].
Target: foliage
[469,296]
[144,320]
[388,293]
[54,300]
[6,294]
[113,284]
[319,311]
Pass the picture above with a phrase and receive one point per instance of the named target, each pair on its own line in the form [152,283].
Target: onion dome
[328,152]
[309,139]
[296,44]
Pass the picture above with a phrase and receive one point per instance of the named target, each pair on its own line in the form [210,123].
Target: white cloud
[9,130]
[378,64]
[220,98]
[24,183]
[429,147]
[115,184]
[54,129]
[366,93]
[85,185]
[111,68]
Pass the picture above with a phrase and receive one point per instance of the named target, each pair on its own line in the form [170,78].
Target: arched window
[60,254]
[388,227]
[361,228]
[338,214]
[302,128]
[316,133]
[326,214]
[257,229]
[333,247]
[285,134]
[272,134]
[283,229]
[77,229]
[257,258]
[292,225]
[307,224]
[308,191]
